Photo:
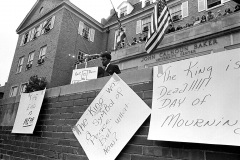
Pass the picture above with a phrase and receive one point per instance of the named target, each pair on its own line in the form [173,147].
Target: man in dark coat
[108,67]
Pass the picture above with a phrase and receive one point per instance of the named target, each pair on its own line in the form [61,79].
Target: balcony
[217,27]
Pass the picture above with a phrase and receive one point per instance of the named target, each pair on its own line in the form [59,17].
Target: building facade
[51,37]
[55,35]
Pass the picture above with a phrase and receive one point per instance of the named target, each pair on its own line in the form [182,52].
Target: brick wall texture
[53,138]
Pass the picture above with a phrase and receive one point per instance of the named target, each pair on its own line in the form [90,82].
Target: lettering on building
[180,51]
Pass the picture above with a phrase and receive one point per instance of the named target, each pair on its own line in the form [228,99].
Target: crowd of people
[204,18]
[210,16]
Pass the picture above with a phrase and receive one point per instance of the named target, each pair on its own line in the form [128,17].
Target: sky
[12,13]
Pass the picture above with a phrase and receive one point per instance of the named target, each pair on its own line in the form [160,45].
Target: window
[146,23]
[86,32]
[80,57]
[42,54]
[148,2]
[176,12]
[143,25]
[48,25]
[44,27]
[123,11]
[13,91]
[208,4]
[212,3]
[20,64]
[30,60]
[23,88]
[179,11]
[37,31]
[24,39]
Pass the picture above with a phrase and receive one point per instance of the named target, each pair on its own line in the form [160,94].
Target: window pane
[30,58]
[123,10]
[86,31]
[13,91]
[23,88]
[20,63]
[212,3]
[42,52]
[146,24]
[176,10]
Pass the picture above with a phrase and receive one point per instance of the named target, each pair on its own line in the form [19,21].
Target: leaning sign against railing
[28,111]
[111,120]
[198,100]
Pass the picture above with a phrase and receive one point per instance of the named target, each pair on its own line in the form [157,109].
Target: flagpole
[115,12]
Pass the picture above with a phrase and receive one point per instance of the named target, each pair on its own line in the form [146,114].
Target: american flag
[159,23]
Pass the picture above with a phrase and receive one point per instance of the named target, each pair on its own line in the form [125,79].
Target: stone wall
[62,107]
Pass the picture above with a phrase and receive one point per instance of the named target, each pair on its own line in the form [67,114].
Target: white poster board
[198,100]
[111,120]
[84,74]
[28,111]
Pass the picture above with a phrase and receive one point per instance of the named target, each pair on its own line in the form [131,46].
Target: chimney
[112,12]
[103,21]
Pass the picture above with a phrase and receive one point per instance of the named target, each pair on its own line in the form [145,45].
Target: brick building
[56,34]
[56,31]
[49,38]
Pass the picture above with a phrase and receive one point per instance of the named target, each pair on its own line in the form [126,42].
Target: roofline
[62,4]
[17,30]
[125,18]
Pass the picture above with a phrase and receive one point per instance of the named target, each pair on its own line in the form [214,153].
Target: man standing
[108,67]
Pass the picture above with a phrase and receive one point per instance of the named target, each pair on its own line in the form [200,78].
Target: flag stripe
[158,40]
[159,23]
[160,31]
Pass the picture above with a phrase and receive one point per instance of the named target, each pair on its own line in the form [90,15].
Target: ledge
[133,77]
[216,27]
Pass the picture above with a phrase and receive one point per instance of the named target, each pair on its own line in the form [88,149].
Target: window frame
[86,31]
[207,6]
[21,87]
[11,91]
[20,64]
[148,24]
[48,23]
[30,60]
[178,11]
[42,54]
[80,57]
[203,5]
[182,12]
[148,2]
[37,31]
[123,11]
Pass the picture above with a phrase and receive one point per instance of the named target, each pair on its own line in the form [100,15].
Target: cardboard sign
[28,111]
[111,120]
[198,100]
[84,74]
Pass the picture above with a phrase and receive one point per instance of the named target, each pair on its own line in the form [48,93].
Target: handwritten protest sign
[84,74]
[28,111]
[111,120]
[198,100]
